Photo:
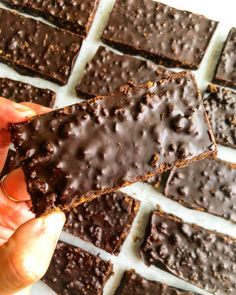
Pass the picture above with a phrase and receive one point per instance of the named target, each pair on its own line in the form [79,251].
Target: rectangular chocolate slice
[220,104]
[108,71]
[12,162]
[76,153]
[37,49]
[75,271]
[133,284]
[74,15]
[226,69]
[159,32]
[208,185]
[104,221]
[20,92]
[199,256]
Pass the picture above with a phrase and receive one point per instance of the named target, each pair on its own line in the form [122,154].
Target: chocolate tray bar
[108,71]
[79,152]
[226,69]
[20,92]
[74,15]
[220,104]
[37,49]
[199,256]
[104,221]
[75,271]
[207,185]
[134,284]
[159,32]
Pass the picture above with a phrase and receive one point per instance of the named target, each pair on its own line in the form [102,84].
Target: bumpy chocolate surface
[133,284]
[220,104]
[158,32]
[75,272]
[107,71]
[202,257]
[34,48]
[12,162]
[19,92]
[73,15]
[73,154]
[208,185]
[104,221]
[226,68]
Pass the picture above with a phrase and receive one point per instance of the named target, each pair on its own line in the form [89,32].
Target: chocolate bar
[76,15]
[75,271]
[226,69]
[104,221]
[91,148]
[220,104]
[161,33]
[36,49]
[108,71]
[21,92]
[199,256]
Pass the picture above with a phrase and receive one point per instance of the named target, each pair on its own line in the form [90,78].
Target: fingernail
[53,223]
[23,109]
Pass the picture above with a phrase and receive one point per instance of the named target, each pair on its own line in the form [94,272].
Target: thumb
[24,259]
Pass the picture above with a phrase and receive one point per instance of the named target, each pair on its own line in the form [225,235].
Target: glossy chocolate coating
[74,15]
[201,257]
[76,153]
[159,32]
[208,185]
[75,272]
[104,221]
[133,284]
[226,68]
[220,104]
[20,92]
[34,48]
[108,71]
[12,162]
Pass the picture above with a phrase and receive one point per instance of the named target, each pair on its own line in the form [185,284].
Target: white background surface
[223,11]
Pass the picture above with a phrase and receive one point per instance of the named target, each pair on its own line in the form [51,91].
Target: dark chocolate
[108,71]
[220,104]
[226,69]
[207,185]
[73,271]
[12,162]
[104,221]
[37,49]
[133,284]
[159,32]
[79,152]
[199,256]
[74,15]
[21,92]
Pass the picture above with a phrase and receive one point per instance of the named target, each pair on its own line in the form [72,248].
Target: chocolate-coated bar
[21,92]
[161,33]
[75,271]
[207,185]
[197,255]
[36,49]
[104,221]
[74,15]
[79,152]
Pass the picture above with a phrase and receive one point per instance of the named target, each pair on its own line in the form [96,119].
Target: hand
[26,243]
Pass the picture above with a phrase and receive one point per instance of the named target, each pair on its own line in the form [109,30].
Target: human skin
[23,238]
